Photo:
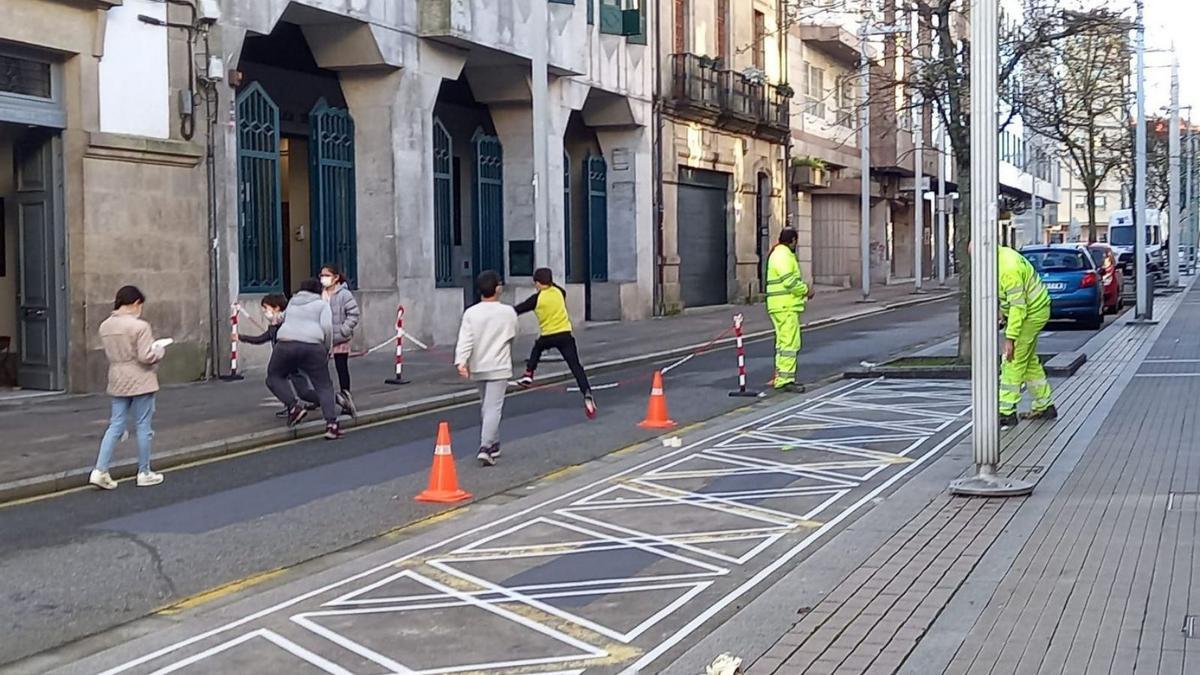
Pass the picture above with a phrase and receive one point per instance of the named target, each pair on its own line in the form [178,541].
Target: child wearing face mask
[341,301]
[273,307]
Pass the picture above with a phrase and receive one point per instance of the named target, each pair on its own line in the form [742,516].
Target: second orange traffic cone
[443,479]
[656,411]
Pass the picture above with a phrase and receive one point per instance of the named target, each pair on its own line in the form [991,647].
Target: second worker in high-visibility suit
[1025,304]
[786,296]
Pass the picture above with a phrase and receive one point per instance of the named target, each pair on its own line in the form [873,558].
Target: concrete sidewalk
[50,443]
[1094,573]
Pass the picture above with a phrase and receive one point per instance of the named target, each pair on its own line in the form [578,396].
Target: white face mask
[326,281]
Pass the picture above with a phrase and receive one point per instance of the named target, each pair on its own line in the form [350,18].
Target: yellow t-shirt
[551,311]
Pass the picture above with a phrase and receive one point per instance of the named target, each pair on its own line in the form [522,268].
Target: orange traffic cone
[443,479]
[656,411]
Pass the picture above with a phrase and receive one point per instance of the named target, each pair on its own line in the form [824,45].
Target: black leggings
[565,344]
[289,357]
[342,363]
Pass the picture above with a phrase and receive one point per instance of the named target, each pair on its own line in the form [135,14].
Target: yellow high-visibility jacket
[786,290]
[1022,292]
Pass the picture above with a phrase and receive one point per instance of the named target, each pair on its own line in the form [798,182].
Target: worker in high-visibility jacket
[1025,304]
[786,296]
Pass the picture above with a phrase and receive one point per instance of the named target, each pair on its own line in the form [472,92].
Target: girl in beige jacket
[132,383]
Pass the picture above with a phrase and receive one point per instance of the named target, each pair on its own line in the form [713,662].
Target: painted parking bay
[616,574]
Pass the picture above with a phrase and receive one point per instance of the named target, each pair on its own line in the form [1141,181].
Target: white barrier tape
[678,363]
[413,340]
[611,385]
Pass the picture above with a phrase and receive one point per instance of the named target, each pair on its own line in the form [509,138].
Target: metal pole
[985,384]
[864,143]
[1190,207]
[942,233]
[1175,237]
[1037,224]
[539,89]
[1145,310]
[918,167]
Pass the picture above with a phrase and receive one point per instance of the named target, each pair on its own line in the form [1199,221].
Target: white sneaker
[102,480]
[148,478]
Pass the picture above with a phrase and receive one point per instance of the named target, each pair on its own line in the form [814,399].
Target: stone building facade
[102,184]
[726,105]
[397,139]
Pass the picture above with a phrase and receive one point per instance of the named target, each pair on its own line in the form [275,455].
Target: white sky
[1172,22]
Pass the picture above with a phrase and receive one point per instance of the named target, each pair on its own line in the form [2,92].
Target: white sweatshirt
[485,341]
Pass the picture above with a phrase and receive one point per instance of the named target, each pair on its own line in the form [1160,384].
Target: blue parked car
[1073,280]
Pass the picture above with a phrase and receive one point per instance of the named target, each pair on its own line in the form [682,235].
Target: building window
[1080,201]
[814,90]
[723,32]
[610,17]
[847,102]
[25,77]
[760,40]
[681,26]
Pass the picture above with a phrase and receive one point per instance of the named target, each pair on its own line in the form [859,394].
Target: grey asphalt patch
[616,569]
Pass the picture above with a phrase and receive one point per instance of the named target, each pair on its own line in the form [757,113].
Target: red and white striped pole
[741,360]
[233,375]
[399,378]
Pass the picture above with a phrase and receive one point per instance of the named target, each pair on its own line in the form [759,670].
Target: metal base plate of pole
[747,394]
[987,484]
[233,377]
[1142,322]
[396,380]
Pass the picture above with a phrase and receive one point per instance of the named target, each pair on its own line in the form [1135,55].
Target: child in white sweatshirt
[484,354]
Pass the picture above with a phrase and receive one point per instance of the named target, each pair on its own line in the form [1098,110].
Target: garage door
[702,236]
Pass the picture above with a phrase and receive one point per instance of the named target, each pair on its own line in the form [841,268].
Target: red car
[1113,278]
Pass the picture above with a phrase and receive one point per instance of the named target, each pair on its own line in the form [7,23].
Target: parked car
[1112,276]
[1073,280]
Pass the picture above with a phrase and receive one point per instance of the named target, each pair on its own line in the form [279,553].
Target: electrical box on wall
[208,11]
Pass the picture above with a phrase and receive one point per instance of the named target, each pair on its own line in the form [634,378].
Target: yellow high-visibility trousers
[787,346]
[1026,369]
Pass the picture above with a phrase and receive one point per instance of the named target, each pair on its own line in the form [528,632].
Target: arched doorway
[296,169]
[468,189]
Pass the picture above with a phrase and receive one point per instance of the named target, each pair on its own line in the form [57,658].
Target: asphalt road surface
[85,561]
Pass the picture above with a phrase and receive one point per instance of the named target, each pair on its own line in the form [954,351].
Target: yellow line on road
[219,592]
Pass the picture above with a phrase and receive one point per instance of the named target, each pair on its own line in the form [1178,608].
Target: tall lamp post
[985,381]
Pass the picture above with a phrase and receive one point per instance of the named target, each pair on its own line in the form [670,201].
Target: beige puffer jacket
[129,346]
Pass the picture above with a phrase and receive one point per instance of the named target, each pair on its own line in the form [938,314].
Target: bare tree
[1076,94]
[940,72]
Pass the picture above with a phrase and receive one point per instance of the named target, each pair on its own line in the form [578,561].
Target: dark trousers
[341,362]
[565,344]
[303,388]
[313,361]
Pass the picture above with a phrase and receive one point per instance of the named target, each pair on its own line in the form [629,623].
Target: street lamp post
[864,143]
[985,429]
[1173,180]
[1145,297]
[942,233]
[918,112]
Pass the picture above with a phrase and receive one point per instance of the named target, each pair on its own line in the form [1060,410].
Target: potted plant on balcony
[809,173]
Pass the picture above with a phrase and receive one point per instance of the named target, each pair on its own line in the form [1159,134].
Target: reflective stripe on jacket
[1021,290]
[786,290]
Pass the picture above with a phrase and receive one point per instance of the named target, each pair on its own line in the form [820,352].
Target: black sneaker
[332,431]
[1048,414]
[282,413]
[1008,421]
[296,415]
[485,457]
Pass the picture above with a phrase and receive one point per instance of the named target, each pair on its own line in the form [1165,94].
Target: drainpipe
[784,30]
[659,310]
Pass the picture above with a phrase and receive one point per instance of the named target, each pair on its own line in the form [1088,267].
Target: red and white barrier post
[399,378]
[741,360]
[233,375]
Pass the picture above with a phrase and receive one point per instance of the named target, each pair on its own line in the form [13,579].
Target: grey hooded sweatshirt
[307,319]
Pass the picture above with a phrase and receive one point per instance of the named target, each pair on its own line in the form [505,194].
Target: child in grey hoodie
[303,343]
[484,354]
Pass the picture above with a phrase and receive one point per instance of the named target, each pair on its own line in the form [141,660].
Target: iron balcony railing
[700,83]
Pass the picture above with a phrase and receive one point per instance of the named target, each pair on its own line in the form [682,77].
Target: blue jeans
[141,409]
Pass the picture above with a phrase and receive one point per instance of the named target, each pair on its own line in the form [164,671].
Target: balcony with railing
[703,91]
